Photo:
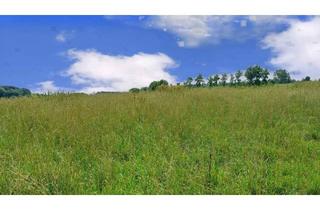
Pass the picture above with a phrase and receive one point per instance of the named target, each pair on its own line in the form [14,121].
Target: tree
[224,77]
[163,82]
[188,82]
[254,75]
[216,79]
[199,80]
[134,90]
[281,76]
[231,79]
[238,76]
[155,84]
[307,78]
[264,75]
[210,81]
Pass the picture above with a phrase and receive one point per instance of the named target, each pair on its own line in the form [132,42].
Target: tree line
[254,76]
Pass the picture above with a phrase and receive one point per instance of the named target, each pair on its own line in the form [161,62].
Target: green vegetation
[177,140]
[254,76]
[10,91]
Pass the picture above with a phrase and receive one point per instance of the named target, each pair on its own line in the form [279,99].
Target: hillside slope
[263,140]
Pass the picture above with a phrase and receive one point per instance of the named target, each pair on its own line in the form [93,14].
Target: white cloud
[270,19]
[61,37]
[297,49]
[64,36]
[194,31]
[47,86]
[101,72]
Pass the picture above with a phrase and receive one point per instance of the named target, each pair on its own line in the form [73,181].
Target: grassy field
[250,140]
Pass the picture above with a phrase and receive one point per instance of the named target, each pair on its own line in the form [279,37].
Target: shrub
[11,91]
[155,84]
[134,90]
[281,76]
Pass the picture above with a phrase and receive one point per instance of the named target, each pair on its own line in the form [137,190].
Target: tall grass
[263,140]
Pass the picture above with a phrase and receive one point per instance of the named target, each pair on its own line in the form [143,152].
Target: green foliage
[256,75]
[224,78]
[264,75]
[10,91]
[134,90]
[238,76]
[155,84]
[199,80]
[231,79]
[210,82]
[281,76]
[144,89]
[188,82]
[216,79]
[191,141]
[307,78]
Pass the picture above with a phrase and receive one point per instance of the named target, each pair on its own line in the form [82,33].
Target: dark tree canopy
[216,79]
[199,80]
[231,79]
[254,74]
[224,78]
[238,76]
[188,82]
[144,89]
[281,76]
[264,75]
[134,90]
[210,82]
[155,84]
[11,91]
[307,78]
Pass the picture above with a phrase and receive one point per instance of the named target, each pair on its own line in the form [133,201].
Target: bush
[10,91]
[155,84]
[307,79]
[281,76]
[134,90]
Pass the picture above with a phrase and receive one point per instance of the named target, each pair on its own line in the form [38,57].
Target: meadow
[223,140]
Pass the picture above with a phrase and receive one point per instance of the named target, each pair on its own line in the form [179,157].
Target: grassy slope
[263,140]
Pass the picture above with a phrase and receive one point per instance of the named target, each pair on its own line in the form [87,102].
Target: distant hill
[11,91]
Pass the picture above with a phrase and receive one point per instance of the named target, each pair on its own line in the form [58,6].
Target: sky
[115,53]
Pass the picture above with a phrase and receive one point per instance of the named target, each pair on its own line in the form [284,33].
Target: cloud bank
[297,49]
[95,71]
[193,31]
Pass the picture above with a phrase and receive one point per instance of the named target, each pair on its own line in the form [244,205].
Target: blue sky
[114,53]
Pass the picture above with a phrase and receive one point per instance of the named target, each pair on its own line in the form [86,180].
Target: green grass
[250,140]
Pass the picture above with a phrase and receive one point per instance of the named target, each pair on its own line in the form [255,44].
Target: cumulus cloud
[96,71]
[297,49]
[47,86]
[193,31]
